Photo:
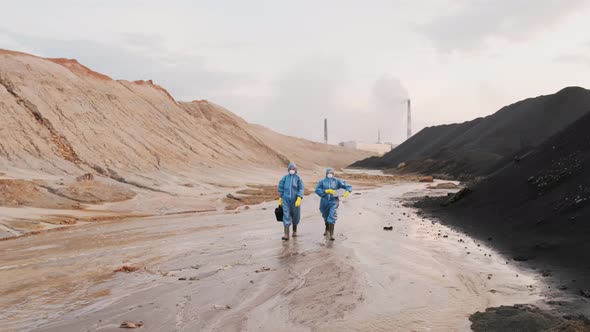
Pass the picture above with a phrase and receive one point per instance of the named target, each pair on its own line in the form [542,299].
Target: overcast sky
[289,64]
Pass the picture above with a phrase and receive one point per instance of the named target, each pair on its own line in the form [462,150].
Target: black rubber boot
[332,232]
[286,236]
[327,227]
[294,230]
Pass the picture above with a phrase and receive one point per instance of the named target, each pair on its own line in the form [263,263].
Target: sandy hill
[61,120]
[60,117]
[481,146]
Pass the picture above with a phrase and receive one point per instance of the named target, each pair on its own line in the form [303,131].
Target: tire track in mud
[180,320]
[328,288]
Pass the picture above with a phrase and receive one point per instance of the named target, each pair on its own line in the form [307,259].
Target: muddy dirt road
[230,271]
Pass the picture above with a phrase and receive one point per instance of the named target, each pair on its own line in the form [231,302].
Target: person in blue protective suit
[326,189]
[291,192]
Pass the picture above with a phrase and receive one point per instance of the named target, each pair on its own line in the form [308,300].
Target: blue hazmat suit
[291,187]
[329,203]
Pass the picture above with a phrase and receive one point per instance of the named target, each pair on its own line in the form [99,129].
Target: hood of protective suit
[292,165]
[329,170]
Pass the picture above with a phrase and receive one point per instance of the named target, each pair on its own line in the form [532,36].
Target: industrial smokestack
[409,118]
[326,130]
[379,135]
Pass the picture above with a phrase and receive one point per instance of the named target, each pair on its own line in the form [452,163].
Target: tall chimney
[326,130]
[379,135]
[409,118]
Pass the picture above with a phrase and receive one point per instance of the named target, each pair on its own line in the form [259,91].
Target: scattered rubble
[131,325]
[426,179]
[85,177]
[522,317]
[443,185]
[221,307]
[127,269]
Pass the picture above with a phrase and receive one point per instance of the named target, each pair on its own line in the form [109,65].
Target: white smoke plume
[388,101]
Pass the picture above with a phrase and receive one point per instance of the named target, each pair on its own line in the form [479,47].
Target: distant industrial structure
[409,125]
[325,131]
[379,148]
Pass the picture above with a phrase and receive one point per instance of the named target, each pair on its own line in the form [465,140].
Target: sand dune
[61,120]
[61,117]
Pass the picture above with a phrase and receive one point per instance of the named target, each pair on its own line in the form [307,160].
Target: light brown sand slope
[60,117]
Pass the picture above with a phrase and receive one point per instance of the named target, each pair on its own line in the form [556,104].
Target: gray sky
[289,64]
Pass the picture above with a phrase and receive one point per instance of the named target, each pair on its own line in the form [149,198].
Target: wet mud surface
[228,271]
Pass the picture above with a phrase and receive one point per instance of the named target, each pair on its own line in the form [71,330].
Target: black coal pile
[537,208]
[482,146]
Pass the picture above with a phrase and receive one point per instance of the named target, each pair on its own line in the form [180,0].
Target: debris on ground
[387,228]
[426,179]
[221,307]
[453,198]
[85,177]
[521,317]
[521,258]
[225,267]
[263,269]
[126,268]
[230,196]
[444,185]
[131,325]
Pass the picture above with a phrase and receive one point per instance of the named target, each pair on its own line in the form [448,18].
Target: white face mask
[291,171]
[330,175]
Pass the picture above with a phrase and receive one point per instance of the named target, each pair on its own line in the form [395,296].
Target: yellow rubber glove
[280,201]
[346,194]
[330,191]
[298,202]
